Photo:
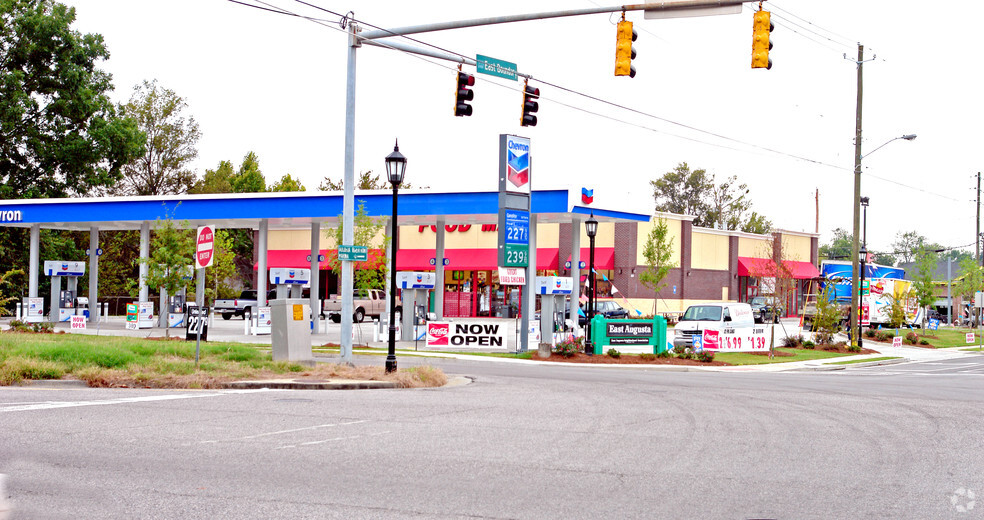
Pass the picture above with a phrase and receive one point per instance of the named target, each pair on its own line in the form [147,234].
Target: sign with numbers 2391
[517,255]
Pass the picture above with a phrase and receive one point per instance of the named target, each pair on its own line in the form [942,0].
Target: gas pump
[289,281]
[82,307]
[553,291]
[63,302]
[173,305]
[415,287]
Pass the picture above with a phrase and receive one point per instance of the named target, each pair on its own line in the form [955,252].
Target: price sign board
[196,320]
[514,238]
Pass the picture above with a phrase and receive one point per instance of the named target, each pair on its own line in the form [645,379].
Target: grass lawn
[108,361]
[944,337]
[785,355]
[851,362]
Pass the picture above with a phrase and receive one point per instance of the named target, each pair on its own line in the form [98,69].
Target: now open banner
[749,339]
[465,333]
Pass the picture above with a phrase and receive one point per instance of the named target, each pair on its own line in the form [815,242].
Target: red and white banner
[750,339]
[512,276]
[466,333]
[204,247]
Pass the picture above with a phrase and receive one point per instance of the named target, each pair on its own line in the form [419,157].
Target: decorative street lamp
[591,227]
[863,257]
[396,166]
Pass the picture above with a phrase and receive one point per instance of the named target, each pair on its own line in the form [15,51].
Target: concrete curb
[311,384]
[829,366]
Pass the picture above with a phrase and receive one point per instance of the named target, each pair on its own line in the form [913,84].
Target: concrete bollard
[544,350]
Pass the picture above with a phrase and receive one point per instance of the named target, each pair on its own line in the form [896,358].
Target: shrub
[870,333]
[809,344]
[924,341]
[678,349]
[647,357]
[792,341]
[854,348]
[568,348]
[705,356]
[884,336]
[612,353]
[911,338]
[663,354]
[683,352]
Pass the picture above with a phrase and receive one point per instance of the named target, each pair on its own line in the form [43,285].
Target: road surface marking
[50,405]
[280,432]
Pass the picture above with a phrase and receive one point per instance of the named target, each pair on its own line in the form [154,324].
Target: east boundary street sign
[353,253]
[494,67]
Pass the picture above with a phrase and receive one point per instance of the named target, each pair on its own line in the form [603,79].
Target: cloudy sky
[274,84]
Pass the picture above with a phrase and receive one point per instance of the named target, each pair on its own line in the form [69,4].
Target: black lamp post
[396,166]
[591,227]
[863,257]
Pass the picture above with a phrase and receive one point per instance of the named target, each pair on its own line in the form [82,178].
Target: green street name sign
[353,253]
[494,67]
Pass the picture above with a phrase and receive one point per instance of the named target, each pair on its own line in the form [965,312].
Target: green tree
[218,180]
[249,178]
[658,252]
[726,205]
[683,191]
[60,134]
[171,143]
[224,271]
[971,279]
[908,245]
[923,280]
[5,280]
[827,319]
[839,246]
[370,274]
[172,251]
[366,181]
[287,183]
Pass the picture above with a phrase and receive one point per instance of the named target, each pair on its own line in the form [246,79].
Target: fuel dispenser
[553,291]
[415,288]
[289,281]
[173,305]
[63,302]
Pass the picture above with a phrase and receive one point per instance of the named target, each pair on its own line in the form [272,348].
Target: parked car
[370,303]
[243,306]
[762,311]
[608,308]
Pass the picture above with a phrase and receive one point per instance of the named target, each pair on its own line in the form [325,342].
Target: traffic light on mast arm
[530,105]
[761,40]
[462,94]
[624,52]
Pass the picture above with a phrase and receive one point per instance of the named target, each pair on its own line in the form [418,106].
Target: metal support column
[315,277]
[439,269]
[94,316]
[348,196]
[575,270]
[35,267]
[144,253]
[262,271]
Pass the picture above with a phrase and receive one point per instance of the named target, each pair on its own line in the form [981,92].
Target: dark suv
[607,308]
[761,310]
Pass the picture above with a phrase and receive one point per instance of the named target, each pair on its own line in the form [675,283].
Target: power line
[597,99]
[844,40]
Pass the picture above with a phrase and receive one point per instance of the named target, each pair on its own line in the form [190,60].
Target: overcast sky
[275,85]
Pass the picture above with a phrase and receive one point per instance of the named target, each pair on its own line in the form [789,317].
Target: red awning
[298,259]
[467,259]
[765,267]
[604,257]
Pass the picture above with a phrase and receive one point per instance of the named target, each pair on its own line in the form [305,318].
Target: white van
[717,316]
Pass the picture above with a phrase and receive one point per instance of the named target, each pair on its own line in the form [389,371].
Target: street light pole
[591,228]
[396,166]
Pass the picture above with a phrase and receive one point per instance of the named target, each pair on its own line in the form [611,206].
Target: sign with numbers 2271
[517,227]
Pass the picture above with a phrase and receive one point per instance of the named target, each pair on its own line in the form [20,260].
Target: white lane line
[281,432]
[50,405]
[334,439]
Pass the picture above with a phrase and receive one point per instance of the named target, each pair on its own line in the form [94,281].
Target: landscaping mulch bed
[625,359]
[842,349]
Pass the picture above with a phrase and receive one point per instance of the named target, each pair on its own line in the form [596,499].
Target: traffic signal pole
[357,38]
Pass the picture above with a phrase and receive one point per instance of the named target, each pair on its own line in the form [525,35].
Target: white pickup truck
[242,306]
[370,303]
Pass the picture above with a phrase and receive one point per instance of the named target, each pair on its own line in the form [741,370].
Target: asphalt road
[519,442]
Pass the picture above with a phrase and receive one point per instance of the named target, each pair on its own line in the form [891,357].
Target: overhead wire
[279,10]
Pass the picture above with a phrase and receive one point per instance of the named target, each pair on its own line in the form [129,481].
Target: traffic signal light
[761,40]
[463,94]
[624,52]
[530,106]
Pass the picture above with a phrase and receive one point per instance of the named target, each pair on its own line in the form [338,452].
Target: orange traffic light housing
[624,52]
[761,40]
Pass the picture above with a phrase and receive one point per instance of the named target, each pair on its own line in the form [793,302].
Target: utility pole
[855,287]
[816,229]
[977,233]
